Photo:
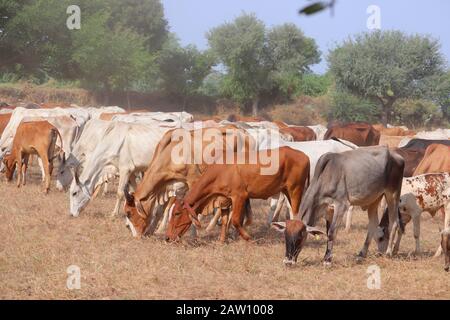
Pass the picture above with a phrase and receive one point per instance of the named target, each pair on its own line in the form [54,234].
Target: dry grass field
[39,241]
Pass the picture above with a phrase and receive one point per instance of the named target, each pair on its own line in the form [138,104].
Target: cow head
[295,232]
[9,165]
[445,243]
[181,219]
[79,196]
[64,175]
[136,219]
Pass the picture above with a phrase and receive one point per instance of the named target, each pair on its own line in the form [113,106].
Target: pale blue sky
[191,19]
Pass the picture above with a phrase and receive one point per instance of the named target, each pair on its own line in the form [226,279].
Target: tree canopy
[385,66]
[258,60]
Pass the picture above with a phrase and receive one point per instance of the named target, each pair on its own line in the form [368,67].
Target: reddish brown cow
[4,120]
[435,160]
[36,137]
[360,133]
[107,116]
[299,133]
[240,182]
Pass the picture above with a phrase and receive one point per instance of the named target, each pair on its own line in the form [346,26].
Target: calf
[427,192]
[36,137]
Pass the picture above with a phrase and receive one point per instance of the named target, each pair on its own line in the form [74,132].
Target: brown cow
[240,182]
[435,160]
[445,243]
[299,133]
[4,120]
[163,172]
[36,137]
[360,133]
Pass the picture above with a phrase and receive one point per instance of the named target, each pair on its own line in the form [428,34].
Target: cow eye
[74,193]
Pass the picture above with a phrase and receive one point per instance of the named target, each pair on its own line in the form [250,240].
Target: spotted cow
[426,192]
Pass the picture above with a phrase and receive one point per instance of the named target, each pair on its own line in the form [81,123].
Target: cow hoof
[327,264]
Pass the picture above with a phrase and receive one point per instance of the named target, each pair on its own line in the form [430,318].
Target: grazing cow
[240,182]
[37,137]
[445,244]
[436,159]
[128,147]
[300,133]
[358,177]
[90,138]
[163,174]
[426,192]
[314,150]
[361,134]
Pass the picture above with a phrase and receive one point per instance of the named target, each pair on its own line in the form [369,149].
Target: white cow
[128,147]
[426,192]
[79,115]
[87,141]
[180,117]
[96,112]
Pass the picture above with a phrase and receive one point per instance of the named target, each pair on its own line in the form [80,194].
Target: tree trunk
[255,107]
[386,112]
[128,100]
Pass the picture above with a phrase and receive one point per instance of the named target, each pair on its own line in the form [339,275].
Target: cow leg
[19,170]
[372,213]
[446,212]
[213,222]
[41,166]
[47,175]
[224,227]
[167,212]
[238,212]
[24,168]
[392,203]
[348,219]
[276,208]
[123,180]
[416,229]
[333,219]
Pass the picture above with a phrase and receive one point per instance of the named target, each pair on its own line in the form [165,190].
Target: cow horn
[140,209]
[129,197]
[75,175]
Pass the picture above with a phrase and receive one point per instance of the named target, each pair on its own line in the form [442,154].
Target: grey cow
[358,177]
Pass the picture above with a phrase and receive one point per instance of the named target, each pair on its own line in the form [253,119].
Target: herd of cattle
[322,172]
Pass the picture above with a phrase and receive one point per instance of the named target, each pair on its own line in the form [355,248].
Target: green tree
[182,70]
[385,66]
[347,107]
[258,60]
[290,55]
[441,93]
[110,60]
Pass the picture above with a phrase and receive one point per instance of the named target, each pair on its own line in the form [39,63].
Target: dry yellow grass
[38,241]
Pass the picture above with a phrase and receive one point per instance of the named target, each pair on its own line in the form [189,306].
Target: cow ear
[279,226]
[314,231]
[75,175]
